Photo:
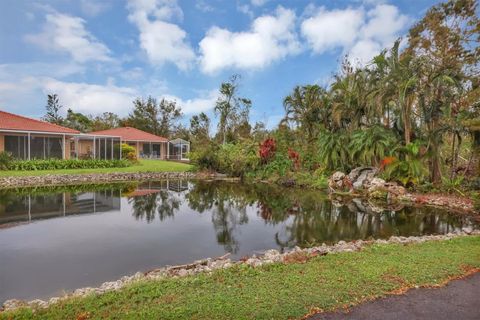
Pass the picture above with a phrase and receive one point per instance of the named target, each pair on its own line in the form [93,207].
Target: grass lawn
[279,291]
[143,166]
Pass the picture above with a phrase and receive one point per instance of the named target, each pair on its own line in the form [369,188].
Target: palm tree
[398,85]
[308,106]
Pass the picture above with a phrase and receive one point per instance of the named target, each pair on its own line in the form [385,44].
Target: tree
[53,110]
[200,127]
[78,121]
[106,120]
[144,115]
[231,109]
[152,117]
[307,106]
[445,44]
[169,113]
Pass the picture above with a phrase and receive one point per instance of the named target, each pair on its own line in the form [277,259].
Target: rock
[376,182]
[38,304]
[13,304]
[72,179]
[336,181]
[253,262]
[467,230]
[182,273]
[362,176]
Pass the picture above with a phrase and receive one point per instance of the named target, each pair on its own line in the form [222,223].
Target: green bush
[278,166]
[56,164]
[232,159]
[5,160]
[205,158]
[410,170]
[129,153]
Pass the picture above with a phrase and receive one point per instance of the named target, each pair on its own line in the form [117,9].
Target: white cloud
[91,98]
[330,29]
[161,40]
[67,34]
[203,6]
[258,3]
[93,8]
[196,105]
[360,33]
[384,23]
[270,38]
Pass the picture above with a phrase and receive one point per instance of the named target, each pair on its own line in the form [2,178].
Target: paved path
[460,299]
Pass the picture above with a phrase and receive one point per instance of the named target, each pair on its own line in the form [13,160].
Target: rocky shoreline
[74,179]
[208,265]
[363,182]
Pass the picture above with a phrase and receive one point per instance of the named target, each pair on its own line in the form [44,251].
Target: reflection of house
[27,138]
[177,185]
[148,145]
[45,206]
[152,187]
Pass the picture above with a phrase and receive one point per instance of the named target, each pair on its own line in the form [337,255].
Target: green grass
[142,166]
[278,291]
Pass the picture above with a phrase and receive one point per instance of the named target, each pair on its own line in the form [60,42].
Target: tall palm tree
[308,107]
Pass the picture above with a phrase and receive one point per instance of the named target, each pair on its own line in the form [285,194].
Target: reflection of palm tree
[148,205]
[225,218]
[227,203]
[144,206]
[168,205]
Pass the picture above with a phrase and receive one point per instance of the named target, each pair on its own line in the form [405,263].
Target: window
[17,146]
[45,147]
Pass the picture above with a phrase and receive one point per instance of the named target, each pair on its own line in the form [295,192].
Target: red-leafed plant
[267,149]
[295,157]
[386,161]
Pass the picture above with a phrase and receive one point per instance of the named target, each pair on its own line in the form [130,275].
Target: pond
[56,240]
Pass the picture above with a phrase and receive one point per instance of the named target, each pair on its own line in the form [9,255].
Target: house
[149,146]
[27,138]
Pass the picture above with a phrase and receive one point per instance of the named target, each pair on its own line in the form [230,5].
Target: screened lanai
[178,149]
[88,146]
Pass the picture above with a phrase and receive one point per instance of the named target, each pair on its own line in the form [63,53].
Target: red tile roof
[131,134]
[10,121]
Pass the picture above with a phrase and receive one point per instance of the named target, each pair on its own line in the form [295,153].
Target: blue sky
[99,55]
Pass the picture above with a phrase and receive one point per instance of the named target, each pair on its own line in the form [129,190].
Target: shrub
[5,160]
[295,157]
[205,158]
[232,159]
[278,166]
[56,164]
[410,171]
[129,153]
[267,150]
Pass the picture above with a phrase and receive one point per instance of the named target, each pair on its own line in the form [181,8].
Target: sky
[100,55]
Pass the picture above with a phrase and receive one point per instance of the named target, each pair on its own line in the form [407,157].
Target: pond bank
[444,256]
[73,179]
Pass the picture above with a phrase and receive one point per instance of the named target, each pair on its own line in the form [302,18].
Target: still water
[58,240]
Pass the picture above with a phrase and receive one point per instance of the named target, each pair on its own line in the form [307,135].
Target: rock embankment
[72,179]
[364,181]
[209,265]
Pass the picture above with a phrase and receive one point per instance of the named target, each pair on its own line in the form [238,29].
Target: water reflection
[62,239]
[21,208]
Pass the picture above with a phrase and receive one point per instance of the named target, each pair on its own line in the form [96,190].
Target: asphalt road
[460,299]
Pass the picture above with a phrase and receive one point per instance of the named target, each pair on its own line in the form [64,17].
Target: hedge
[56,164]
